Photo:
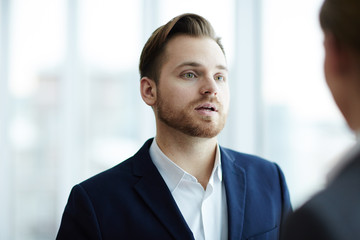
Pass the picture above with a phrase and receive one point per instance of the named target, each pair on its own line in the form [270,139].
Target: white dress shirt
[205,211]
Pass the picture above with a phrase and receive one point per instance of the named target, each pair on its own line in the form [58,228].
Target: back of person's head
[152,56]
[342,19]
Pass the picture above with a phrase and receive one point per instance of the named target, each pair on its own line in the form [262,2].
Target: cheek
[227,104]
[328,75]
[174,99]
[326,69]
[225,95]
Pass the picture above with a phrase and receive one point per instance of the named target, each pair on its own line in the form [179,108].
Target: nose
[209,86]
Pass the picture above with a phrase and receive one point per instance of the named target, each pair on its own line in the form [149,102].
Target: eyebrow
[196,64]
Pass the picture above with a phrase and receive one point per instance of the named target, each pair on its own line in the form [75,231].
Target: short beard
[183,122]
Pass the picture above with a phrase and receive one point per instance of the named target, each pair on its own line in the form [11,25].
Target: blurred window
[70,105]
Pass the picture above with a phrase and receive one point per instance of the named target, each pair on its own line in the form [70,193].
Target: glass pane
[110,34]
[304,131]
[36,55]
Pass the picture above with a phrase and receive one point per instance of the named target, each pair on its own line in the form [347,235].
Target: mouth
[207,107]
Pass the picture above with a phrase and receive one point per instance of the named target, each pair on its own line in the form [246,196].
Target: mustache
[206,99]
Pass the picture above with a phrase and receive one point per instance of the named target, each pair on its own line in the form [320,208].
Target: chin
[203,131]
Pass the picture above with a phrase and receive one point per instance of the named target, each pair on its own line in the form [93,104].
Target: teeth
[207,108]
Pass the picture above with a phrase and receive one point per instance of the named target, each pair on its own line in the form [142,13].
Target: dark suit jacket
[132,201]
[332,214]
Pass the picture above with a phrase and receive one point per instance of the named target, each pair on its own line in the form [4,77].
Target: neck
[193,154]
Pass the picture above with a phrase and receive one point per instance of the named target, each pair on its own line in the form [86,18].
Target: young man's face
[192,92]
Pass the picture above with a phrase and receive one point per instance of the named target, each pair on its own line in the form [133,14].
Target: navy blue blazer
[132,201]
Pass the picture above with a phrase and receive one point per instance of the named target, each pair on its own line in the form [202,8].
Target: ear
[336,55]
[148,91]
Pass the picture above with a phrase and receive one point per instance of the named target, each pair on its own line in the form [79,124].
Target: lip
[207,108]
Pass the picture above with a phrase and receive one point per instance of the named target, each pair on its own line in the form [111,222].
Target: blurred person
[182,184]
[334,213]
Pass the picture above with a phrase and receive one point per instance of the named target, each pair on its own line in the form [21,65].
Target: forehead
[202,50]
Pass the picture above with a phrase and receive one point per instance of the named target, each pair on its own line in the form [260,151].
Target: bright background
[70,105]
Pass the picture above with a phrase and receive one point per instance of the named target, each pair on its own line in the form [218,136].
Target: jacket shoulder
[247,161]
[125,171]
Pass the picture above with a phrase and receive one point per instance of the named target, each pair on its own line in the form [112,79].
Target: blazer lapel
[153,190]
[235,184]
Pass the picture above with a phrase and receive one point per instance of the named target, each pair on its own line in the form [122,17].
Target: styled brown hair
[152,55]
[342,18]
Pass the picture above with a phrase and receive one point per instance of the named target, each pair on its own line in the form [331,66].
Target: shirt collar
[217,165]
[172,173]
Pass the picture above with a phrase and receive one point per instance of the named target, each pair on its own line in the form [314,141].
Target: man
[182,184]
[334,213]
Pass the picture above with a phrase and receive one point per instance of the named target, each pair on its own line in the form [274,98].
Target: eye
[219,78]
[189,75]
